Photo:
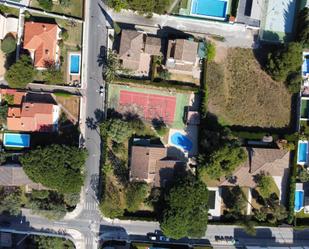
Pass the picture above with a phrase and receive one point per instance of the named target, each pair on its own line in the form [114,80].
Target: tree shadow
[91,123]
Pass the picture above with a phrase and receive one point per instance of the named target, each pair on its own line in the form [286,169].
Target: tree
[46,4]
[3,111]
[65,3]
[8,45]
[285,61]
[52,75]
[223,161]
[21,73]
[57,167]
[45,242]
[117,5]
[186,213]
[278,213]
[165,74]
[71,199]
[304,175]
[113,67]
[293,82]
[135,195]
[119,130]
[10,201]
[302,33]
[211,51]
[236,203]
[265,182]
[260,214]
[248,227]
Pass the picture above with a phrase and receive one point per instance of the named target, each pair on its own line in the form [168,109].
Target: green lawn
[75,8]
[301,214]
[9,10]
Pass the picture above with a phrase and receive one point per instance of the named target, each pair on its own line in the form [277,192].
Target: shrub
[264,183]
[64,34]
[293,82]
[285,61]
[46,4]
[302,33]
[135,195]
[21,73]
[8,45]
[211,51]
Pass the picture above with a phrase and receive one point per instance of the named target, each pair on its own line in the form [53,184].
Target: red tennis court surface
[149,106]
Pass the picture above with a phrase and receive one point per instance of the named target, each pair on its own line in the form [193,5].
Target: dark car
[5,223]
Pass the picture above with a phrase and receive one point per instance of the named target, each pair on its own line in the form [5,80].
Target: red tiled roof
[32,117]
[41,38]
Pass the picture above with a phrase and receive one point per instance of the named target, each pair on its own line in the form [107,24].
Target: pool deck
[73,78]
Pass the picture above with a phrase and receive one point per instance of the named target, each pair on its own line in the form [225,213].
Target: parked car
[163,238]
[152,236]
[5,223]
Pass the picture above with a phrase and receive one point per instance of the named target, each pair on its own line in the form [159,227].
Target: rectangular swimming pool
[16,140]
[299,200]
[302,155]
[74,63]
[210,8]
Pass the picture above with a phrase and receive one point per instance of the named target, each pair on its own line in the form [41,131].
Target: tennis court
[150,106]
[149,103]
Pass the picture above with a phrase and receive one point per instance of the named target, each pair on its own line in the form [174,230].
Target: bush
[234,7]
[135,195]
[302,33]
[211,51]
[46,4]
[64,34]
[21,73]
[264,183]
[292,187]
[293,82]
[285,61]
[8,45]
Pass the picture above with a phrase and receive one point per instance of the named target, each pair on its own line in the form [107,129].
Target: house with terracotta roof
[270,161]
[31,116]
[151,164]
[136,49]
[182,57]
[41,40]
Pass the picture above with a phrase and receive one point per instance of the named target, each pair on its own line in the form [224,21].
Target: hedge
[204,92]
[292,186]
[187,87]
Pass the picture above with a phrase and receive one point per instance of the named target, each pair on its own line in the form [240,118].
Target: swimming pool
[16,140]
[299,200]
[181,141]
[210,8]
[302,155]
[74,63]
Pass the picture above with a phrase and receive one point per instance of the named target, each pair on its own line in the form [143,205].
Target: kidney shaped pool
[181,141]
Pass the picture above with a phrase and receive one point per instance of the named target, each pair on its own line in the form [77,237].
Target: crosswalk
[90,205]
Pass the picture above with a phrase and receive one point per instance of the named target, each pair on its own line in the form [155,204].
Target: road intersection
[85,225]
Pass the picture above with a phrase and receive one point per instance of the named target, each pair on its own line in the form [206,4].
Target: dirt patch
[241,93]
[69,105]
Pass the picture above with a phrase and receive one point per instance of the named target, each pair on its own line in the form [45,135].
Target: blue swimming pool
[16,140]
[211,8]
[302,155]
[299,200]
[74,63]
[181,141]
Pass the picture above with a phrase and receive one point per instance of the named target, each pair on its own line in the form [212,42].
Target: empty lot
[241,93]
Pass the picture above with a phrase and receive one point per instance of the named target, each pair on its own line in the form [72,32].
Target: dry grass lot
[70,106]
[241,93]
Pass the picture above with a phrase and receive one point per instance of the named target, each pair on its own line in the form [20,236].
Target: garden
[72,8]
